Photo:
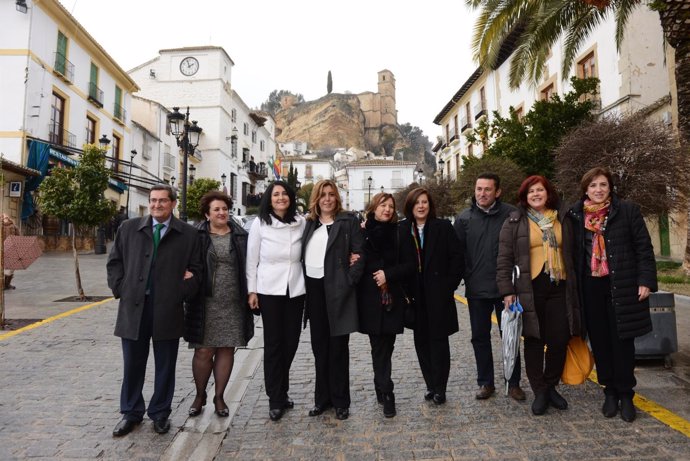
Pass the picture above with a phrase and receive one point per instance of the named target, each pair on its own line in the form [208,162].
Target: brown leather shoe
[516,393]
[485,392]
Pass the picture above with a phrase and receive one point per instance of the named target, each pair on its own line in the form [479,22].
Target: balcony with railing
[454,138]
[119,113]
[95,94]
[60,136]
[257,171]
[63,67]
[465,124]
[479,111]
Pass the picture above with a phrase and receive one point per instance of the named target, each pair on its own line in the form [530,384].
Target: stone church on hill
[366,120]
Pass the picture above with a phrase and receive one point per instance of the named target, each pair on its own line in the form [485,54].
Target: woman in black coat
[380,297]
[617,271]
[438,263]
[330,238]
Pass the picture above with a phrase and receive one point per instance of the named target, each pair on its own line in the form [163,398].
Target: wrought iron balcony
[58,135]
[479,110]
[95,94]
[465,124]
[257,171]
[63,67]
[119,113]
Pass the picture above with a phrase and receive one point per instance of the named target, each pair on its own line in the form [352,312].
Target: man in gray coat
[478,228]
[154,264]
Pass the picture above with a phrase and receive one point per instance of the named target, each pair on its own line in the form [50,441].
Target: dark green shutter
[61,56]
[118,102]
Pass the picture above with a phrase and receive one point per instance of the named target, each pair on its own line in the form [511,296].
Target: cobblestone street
[60,384]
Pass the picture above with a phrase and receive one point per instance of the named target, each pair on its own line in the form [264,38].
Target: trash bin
[663,339]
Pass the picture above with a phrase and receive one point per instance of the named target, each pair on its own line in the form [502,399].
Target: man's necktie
[157,238]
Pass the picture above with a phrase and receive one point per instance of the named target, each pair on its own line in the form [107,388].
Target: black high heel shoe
[221,408]
[197,405]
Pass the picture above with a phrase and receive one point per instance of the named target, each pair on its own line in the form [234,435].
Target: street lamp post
[187,136]
[440,169]
[369,180]
[132,154]
[100,248]
[420,175]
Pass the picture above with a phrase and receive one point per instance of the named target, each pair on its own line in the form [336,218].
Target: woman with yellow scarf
[535,264]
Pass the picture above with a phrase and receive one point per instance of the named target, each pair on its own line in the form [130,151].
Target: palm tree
[538,24]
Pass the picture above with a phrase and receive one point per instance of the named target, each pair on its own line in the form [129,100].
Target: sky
[291,45]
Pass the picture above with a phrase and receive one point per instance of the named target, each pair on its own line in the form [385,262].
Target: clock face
[189,66]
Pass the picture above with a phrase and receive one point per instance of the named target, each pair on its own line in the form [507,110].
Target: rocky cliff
[335,120]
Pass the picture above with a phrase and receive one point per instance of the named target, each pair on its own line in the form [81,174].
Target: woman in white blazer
[275,283]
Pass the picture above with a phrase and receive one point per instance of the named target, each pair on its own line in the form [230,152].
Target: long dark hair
[266,209]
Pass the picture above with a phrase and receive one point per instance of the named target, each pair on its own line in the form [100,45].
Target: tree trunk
[80,290]
[675,22]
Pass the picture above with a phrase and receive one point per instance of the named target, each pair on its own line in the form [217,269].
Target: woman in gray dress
[219,319]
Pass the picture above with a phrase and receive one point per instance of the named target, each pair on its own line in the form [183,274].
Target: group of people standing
[583,271]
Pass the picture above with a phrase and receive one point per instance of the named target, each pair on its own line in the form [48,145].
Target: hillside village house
[636,79]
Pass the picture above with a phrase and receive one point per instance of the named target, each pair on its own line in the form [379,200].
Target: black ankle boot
[610,407]
[556,400]
[379,396]
[388,404]
[541,402]
[628,412]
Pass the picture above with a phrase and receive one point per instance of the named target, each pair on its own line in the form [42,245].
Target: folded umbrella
[511,326]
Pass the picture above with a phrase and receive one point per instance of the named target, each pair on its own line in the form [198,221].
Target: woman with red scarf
[616,271]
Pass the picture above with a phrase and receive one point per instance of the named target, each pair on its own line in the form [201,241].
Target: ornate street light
[440,169]
[369,180]
[132,154]
[420,175]
[100,247]
[192,171]
[187,136]
[104,141]
[172,181]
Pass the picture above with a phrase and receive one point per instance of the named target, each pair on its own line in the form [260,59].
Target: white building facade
[199,78]
[60,90]
[633,79]
[366,178]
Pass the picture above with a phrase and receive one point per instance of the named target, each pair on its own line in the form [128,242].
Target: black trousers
[433,353]
[136,354]
[614,357]
[282,321]
[382,347]
[544,369]
[331,353]
[480,322]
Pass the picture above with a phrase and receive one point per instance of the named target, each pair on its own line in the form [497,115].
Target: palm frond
[578,31]
[498,18]
[623,9]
